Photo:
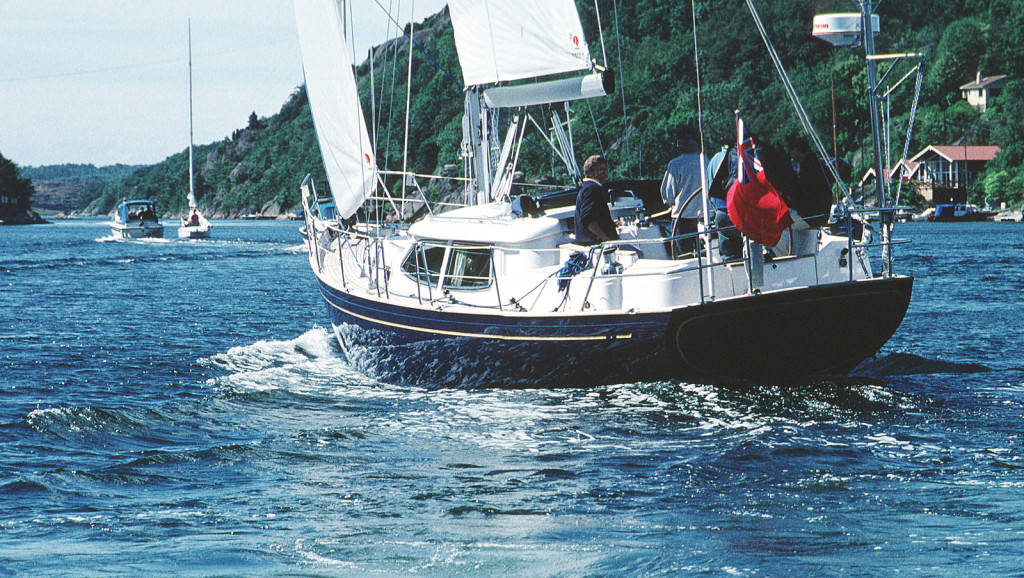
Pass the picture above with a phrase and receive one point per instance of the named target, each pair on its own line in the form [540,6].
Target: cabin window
[468,268]
[424,263]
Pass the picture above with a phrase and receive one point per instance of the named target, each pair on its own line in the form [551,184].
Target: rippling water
[178,407]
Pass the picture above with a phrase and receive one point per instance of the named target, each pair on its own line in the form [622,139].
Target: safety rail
[367,251]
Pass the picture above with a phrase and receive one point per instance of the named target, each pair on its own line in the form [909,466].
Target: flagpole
[739,179]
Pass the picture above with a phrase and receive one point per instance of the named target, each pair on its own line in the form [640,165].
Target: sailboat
[193,225]
[499,292]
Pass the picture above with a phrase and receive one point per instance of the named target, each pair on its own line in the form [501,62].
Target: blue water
[178,407]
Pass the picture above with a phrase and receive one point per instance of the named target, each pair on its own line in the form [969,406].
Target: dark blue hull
[784,335]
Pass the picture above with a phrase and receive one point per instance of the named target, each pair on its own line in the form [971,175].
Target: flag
[754,205]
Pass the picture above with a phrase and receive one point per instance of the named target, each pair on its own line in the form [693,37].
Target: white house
[980,92]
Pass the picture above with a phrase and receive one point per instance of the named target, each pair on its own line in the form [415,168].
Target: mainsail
[502,40]
[337,114]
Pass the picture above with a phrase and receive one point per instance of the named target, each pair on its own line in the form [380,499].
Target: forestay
[337,114]
[503,40]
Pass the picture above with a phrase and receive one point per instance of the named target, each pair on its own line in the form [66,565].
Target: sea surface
[182,408]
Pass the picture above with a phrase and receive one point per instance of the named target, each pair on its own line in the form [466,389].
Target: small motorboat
[135,220]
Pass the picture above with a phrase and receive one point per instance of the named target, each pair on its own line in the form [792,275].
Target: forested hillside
[58,187]
[650,43]
[258,168]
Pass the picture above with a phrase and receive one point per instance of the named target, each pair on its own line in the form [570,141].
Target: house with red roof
[943,174]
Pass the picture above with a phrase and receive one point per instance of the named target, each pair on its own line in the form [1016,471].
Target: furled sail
[502,40]
[337,114]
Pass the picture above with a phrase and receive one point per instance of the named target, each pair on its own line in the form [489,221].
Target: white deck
[525,272]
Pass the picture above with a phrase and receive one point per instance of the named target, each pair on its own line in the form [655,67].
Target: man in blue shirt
[593,218]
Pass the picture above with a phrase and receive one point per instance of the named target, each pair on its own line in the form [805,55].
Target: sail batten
[504,40]
[337,114]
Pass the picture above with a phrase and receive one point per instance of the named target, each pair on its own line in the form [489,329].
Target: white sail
[337,114]
[502,40]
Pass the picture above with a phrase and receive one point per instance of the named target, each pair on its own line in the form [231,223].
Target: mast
[866,8]
[867,30]
[191,179]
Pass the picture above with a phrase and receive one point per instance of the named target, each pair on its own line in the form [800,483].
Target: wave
[67,422]
[313,364]
[169,251]
[314,373]
[910,364]
[307,364]
[24,488]
[128,429]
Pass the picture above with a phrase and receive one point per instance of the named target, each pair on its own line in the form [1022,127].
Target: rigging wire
[422,50]
[391,92]
[910,126]
[795,99]
[418,46]
[705,208]
[604,54]
[408,104]
[696,62]
[373,103]
[622,76]
[384,78]
[597,133]
[345,19]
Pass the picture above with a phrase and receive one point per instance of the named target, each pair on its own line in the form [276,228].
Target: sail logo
[368,159]
[577,47]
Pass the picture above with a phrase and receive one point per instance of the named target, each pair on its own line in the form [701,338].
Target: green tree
[996,187]
[957,59]
[254,122]
[13,185]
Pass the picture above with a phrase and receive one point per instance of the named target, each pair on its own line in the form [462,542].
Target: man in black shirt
[593,217]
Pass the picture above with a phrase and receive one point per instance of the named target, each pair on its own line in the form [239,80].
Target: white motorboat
[135,220]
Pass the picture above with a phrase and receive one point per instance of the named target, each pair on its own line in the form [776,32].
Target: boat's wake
[470,363]
[910,364]
[305,364]
[312,371]
[147,240]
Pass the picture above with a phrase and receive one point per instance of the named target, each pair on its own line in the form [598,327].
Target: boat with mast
[193,225]
[499,293]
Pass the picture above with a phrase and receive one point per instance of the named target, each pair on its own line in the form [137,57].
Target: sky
[106,81]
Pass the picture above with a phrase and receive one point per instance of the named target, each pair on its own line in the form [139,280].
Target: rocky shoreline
[26,218]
